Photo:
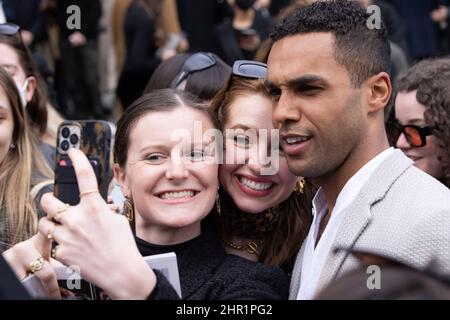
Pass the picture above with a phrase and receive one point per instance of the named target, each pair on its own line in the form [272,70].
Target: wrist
[136,282]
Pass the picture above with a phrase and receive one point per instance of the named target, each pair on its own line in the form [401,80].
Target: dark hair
[163,100]
[362,51]
[204,84]
[37,107]
[431,79]
[280,245]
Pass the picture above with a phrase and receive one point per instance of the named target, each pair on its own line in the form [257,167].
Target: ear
[120,176]
[31,87]
[377,92]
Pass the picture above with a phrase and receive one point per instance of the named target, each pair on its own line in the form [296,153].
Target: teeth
[177,195]
[255,185]
[293,140]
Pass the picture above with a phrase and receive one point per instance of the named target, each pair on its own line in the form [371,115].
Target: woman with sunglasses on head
[203,74]
[18,61]
[422,117]
[18,163]
[265,216]
[170,182]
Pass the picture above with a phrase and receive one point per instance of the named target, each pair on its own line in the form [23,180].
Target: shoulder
[245,279]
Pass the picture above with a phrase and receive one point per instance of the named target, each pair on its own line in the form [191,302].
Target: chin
[252,207]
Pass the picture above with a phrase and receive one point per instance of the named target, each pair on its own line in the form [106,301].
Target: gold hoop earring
[218,203]
[128,208]
[300,186]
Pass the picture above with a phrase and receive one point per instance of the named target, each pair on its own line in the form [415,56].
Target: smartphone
[93,137]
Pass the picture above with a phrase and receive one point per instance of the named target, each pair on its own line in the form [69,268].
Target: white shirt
[314,257]
[2,13]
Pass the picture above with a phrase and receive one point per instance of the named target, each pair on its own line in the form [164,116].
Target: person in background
[421,126]
[22,169]
[18,61]
[79,58]
[202,74]
[241,36]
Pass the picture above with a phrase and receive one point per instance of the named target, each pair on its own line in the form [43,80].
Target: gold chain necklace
[251,247]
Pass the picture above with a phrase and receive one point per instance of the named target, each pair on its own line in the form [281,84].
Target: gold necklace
[251,247]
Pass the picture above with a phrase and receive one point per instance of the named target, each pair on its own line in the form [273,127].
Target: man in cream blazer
[328,75]
[401,213]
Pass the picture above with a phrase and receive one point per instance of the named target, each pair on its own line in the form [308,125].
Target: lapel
[359,214]
[297,274]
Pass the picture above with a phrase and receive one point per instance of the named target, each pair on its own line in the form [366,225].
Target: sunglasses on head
[247,69]
[415,135]
[12,30]
[197,62]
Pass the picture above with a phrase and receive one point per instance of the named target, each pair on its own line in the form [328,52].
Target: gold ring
[37,265]
[88,192]
[60,210]
[50,232]
[24,276]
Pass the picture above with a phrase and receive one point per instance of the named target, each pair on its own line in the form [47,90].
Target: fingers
[85,173]
[49,231]
[43,245]
[49,280]
[54,207]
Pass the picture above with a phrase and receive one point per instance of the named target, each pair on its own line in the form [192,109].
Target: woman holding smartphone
[171,184]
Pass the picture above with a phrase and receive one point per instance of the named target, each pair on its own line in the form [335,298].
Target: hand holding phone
[94,139]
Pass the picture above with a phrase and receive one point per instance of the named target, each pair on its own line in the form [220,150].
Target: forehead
[297,55]
[159,126]
[8,55]
[252,110]
[407,107]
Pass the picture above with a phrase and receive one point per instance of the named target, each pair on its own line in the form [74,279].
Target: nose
[285,110]
[257,160]
[402,142]
[177,170]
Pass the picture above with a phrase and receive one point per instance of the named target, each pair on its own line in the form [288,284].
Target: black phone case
[95,142]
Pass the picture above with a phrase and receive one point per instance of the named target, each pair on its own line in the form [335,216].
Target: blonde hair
[18,218]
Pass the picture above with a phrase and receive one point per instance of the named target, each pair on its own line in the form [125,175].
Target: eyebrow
[302,81]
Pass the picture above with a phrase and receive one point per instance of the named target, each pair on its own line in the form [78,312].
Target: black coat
[208,273]
[10,287]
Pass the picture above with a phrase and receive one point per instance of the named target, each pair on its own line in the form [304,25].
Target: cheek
[6,131]
[226,175]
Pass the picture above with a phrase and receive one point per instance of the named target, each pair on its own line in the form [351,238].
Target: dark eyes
[197,155]
[275,93]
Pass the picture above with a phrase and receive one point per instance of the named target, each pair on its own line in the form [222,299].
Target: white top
[314,257]
[2,13]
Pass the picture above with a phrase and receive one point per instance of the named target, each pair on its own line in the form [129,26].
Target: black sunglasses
[197,62]
[247,69]
[415,135]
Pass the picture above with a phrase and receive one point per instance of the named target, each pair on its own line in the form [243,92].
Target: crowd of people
[331,154]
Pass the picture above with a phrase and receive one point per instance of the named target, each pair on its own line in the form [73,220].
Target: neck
[163,235]
[333,182]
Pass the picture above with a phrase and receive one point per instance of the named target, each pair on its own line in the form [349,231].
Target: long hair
[280,245]
[18,217]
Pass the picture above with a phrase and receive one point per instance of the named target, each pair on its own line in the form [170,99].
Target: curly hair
[430,78]
[363,51]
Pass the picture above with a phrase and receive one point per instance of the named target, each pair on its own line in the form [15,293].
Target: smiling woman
[171,185]
[262,217]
